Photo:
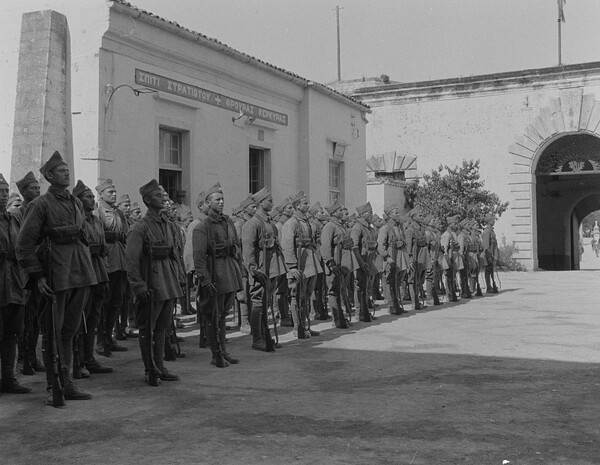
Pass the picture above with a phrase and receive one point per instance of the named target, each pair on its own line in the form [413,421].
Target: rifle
[303,320]
[270,344]
[58,398]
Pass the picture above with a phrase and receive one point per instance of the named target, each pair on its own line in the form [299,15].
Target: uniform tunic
[11,291]
[333,239]
[448,241]
[490,243]
[365,243]
[71,264]
[256,229]
[298,244]
[114,221]
[415,239]
[215,233]
[154,230]
[390,242]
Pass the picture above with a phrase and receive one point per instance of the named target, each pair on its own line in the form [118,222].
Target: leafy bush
[506,259]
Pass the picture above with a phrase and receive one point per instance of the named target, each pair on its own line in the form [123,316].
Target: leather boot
[338,315]
[159,356]
[151,373]
[90,362]
[8,353]
[258,341]
[226,355]
[464,284]
[415,298]
[488,282]
[70,391]
[450,289]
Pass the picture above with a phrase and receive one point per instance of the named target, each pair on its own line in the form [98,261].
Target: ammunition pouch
[421,242]
[472,248]
[8,255]
[305,242]
[266,241]
[64,235]
[399,243]
[161,252]
[96,249]
[347,243]
[225,251]
[115,236]
[455,246]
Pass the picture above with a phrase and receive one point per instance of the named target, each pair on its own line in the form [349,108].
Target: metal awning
[391,162]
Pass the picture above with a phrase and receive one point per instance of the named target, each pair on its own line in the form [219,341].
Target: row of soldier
[84,273]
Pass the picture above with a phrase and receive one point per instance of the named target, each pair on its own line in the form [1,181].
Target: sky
[408,40]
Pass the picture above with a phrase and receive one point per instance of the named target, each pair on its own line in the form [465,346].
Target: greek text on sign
[171,86]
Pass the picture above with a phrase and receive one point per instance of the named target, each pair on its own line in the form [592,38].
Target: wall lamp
[110,90]
[249,119]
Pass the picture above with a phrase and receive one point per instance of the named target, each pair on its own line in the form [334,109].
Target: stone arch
[573,112]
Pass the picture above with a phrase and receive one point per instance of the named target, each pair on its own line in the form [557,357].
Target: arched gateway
[556,179]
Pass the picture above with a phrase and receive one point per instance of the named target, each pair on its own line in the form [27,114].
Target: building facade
[536,133]
[151,99]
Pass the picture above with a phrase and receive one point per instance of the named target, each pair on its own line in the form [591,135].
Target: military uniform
[264,263]
[299,251]
[217,262]
[365,247]
[464,243]
[11,296]
[56,220]
[155,274]
[420,261]
[451,260]
[336,250]
[243,296]
[490,250]
[115,232]
[433,274]
[282,302]
[320,292]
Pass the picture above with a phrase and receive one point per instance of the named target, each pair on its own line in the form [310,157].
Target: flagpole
[559,43]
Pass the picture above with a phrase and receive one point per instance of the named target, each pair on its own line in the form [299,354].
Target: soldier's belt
[421,242]
[398,244]
[95,249]
[305,243]
[227,251]
[472,248]
[372,245]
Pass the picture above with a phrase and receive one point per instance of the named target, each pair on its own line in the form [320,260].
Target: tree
[454,191]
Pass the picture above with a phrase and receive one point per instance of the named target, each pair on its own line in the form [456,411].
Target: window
[336,182]
[259,169]
[170,159]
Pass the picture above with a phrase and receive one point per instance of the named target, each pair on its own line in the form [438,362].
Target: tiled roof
[248,58]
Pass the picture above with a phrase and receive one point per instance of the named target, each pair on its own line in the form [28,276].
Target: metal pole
[339,65]
[559,43]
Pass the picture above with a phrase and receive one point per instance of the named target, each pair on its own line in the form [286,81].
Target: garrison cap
[80,188]
[364,208]
[249,201]
[490,217]
[391,208]
[200,199]
[150,187]
[104,185]
[124,198]
[261,195]
[331,209]
[14,199]
[236,211]
[452,219]
[287,201]
[55,160]
[296,199]
[215,189]
[315,208]
[26,181]
[2,180]
[135,207]
[414,212]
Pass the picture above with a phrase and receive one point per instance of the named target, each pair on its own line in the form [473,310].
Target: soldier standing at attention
[286,211]
[217,262]
[29,187]
[66,272]
[299,251]
[452,262]
[420,261]
[155,274]
[335,242]
[490,250]
[318,217]
[115,232]
[365,247]
[264,263]
[247,209]
[135,214]
[184,212]
[464,242]
[432,275]
[11,296]
[83,346]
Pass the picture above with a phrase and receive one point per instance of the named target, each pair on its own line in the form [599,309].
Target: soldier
[50,250]
[391,246]
[29,187]
[336,250]
[84,342]
[155,275]
[475,250]
[420,261]
[490,250]
[378,223]
[265,264]
[247,210]
[184,213]
[218,265]
[135,214]
[122,330]
[464,242]
[11,296]
[14,202]
[318,218]
[298,244]
[286,211]
[432,275]
[115,232]
[365,248]
[451,260]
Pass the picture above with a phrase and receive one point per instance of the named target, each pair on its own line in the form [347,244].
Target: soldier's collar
[59,193]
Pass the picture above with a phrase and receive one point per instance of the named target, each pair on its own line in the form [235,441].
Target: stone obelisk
[43,104]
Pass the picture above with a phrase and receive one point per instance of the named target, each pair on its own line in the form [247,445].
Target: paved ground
[511,377]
